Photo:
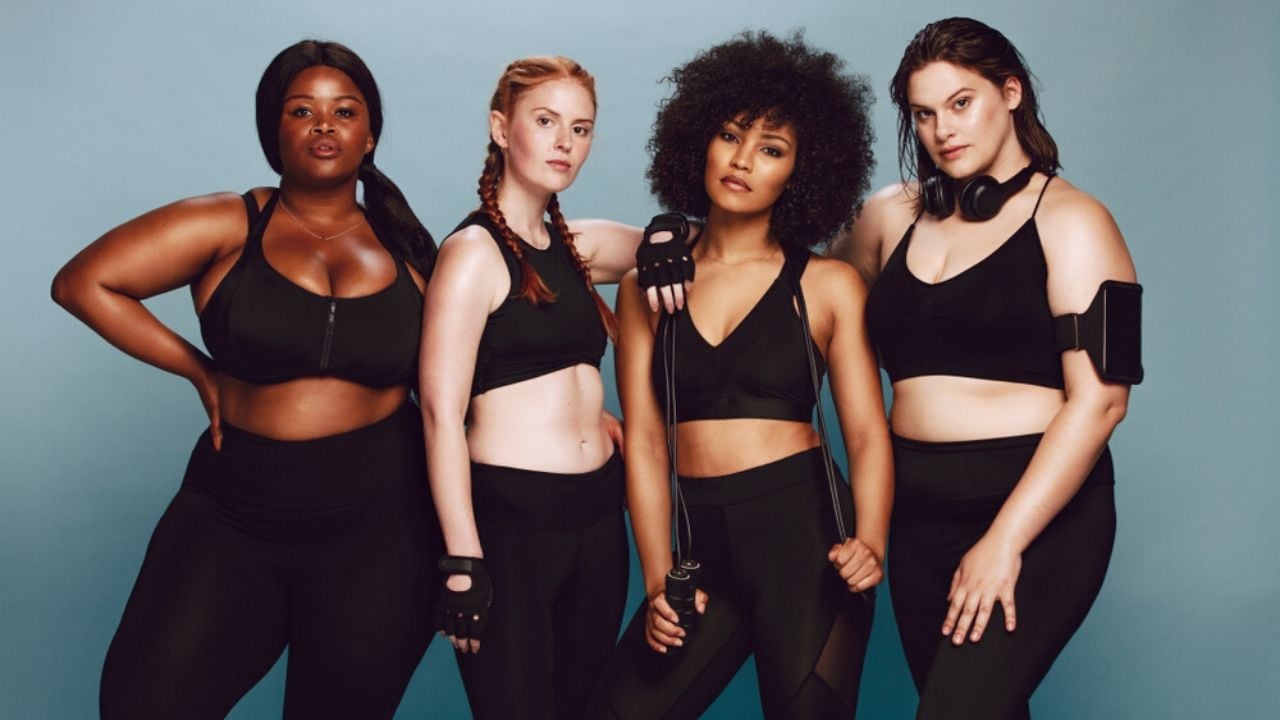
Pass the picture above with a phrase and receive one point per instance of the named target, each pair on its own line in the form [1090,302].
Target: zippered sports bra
[262,328]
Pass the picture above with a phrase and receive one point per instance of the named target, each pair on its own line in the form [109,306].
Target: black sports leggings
[947,496]
[555,546]
[762,536]
[327,546]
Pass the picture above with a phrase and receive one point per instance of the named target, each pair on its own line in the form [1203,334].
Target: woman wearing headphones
[1004,517]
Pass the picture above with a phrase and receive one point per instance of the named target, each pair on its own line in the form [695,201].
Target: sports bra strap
[251,208]
[258,219]
[1041,196]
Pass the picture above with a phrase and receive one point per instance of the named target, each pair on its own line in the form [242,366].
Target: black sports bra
[992,321]
[522,341]
[760,369]
[262,328]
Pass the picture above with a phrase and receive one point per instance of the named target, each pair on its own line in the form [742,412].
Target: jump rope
[682,579]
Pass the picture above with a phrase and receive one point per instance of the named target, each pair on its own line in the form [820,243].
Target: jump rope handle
[682,590]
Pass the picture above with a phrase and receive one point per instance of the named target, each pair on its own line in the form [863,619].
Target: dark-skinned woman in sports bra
[524,467]
[304,519]
[1004,517]
[768,139]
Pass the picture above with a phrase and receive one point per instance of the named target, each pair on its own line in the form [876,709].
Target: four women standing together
[304,519]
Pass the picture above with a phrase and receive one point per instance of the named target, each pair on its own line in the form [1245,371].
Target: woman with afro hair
[768,140]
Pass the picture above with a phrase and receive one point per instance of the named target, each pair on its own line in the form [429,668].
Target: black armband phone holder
[1110,331]
[664,263]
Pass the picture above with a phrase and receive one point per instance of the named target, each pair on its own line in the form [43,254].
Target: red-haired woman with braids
[527,480]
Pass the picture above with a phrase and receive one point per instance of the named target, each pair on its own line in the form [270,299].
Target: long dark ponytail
[389,213]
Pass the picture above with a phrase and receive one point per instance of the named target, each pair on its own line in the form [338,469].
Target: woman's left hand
[612,426]
[859,566]
[987,573]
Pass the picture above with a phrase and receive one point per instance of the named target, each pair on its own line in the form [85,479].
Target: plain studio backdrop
[1166,111]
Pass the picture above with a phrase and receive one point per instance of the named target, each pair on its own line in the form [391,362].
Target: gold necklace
[312,233]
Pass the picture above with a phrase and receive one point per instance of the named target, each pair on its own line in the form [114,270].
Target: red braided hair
[519,76]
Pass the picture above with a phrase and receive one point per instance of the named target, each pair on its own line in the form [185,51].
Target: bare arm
[855,387]
[608,247]
[104,285]
[648,492]
[648,495]
[467,284]
[1083,247]
[610,250]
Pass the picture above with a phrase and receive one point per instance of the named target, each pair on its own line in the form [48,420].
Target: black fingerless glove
[464,614]
[664,263]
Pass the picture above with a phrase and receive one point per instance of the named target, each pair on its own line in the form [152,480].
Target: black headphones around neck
[981,197]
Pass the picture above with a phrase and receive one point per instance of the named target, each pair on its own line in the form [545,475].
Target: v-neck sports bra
[760,369]
[991,322]
[262,328]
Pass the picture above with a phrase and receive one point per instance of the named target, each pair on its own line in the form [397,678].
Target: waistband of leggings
[966,446]
[804,467]
[970,475]
[311,474]
[547,500]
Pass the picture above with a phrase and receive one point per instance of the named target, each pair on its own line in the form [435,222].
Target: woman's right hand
[206,383]
[661,623]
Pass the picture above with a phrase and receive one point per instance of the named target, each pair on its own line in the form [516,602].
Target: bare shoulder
[834,283]
[469,265]
[881,222]
[470,244]
[1076,228]
[204,227]
[824,272]
[889,210]
[220,210]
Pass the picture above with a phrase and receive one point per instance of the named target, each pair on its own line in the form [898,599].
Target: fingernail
[679,642]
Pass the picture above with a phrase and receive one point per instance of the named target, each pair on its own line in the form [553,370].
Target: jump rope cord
[828,463]
[680,511]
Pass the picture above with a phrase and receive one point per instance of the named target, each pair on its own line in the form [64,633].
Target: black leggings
[947,496]
[327,546]
[555,546]
[762,536]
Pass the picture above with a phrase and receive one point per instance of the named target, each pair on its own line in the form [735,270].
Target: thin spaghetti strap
[1041,196]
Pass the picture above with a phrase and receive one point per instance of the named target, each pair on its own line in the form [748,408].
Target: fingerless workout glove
[464,614]
[664,263]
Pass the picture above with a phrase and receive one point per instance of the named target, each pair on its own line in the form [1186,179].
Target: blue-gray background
[1167,111]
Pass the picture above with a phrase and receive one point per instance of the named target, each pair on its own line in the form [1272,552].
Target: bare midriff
[306,408]
[945,408]
[551,423]
[710,448]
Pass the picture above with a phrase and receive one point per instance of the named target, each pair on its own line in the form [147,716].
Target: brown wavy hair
[981,48]
[520,76]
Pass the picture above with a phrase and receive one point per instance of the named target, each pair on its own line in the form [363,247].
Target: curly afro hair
[760,76]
